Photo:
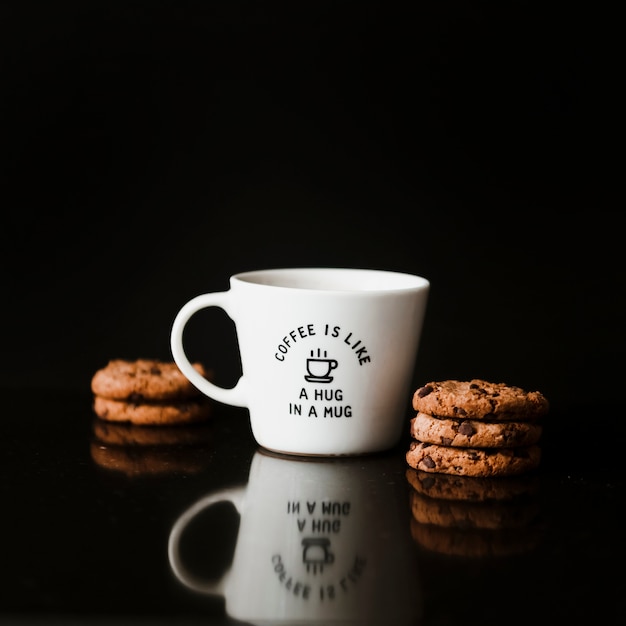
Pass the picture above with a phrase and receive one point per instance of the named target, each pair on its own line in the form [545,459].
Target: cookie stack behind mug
[476,428]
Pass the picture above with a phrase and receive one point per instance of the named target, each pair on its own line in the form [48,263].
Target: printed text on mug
[308,330]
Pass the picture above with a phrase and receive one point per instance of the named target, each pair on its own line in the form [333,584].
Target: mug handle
[235,396]
[211,587]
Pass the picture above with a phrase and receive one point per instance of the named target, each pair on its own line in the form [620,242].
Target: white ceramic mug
[327,355]
[319,541]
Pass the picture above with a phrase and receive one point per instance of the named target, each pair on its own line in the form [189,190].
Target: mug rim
[333,279]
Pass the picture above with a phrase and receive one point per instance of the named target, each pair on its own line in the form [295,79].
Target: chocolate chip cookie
[474,433]
[485,462]
[144,379]
[479,399]
[152,413]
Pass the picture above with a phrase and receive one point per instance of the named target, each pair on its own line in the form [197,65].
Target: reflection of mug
[318,541]
[296,326]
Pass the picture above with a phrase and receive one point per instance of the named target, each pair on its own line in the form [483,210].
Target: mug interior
[334,279]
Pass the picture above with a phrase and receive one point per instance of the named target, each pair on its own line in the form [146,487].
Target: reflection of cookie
[473,461]
[457,514]
[143,379]
[125,434]
[476,542]
[142,450]
[471,489]
[153,413]
[150,460]
[479,399]
[469,433]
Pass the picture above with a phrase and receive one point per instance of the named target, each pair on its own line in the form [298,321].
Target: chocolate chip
[428,462]
[478,388]
[466,429]
[507,435]
[424,391]
[155,370]
[446,441]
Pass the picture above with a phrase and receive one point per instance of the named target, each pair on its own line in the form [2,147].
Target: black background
[152,149]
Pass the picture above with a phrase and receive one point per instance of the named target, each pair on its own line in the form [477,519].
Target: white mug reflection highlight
[318,541]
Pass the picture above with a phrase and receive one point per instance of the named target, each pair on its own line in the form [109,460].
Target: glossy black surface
[86,526]
[152,149]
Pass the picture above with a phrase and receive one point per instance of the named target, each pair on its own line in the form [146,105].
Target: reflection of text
[328,591]
[321,517]
[297,588]
[319,524]
[345,583]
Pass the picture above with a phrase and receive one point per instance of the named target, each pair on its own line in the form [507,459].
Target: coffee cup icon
[319,368]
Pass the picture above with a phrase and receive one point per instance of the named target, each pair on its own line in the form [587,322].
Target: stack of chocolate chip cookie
[148,392]
[474,446]
[476,428]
